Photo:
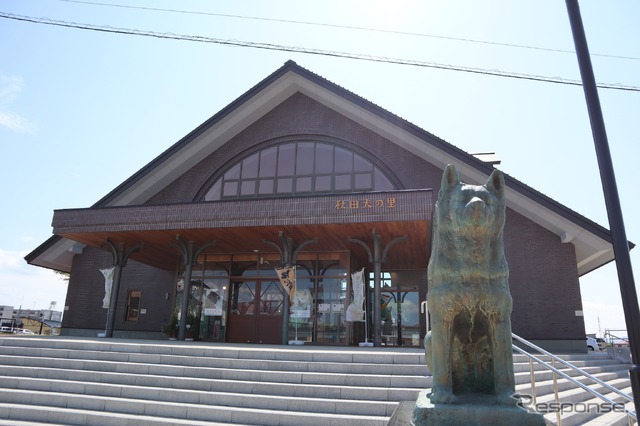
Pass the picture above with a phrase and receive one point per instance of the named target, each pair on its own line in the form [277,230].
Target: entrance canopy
[244,225]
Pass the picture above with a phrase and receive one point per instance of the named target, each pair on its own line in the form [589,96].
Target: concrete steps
[57,380]
[100,381]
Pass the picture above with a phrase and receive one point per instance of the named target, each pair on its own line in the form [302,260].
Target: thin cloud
[16,123]
[10,259]
[10,88]
[28,286]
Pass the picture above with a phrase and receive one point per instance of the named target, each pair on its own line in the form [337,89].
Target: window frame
[231,185]
[129,309]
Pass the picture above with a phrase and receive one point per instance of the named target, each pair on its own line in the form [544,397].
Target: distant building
[37,314]
[6,311]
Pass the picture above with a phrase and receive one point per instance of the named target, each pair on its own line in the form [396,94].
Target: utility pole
[612,200]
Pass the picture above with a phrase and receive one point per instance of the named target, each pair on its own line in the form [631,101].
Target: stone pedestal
[471,413]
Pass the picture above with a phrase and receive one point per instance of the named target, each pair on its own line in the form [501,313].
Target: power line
[277,47]
[349,27]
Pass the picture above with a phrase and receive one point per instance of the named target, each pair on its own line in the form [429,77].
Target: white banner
[355,311]
[108,283]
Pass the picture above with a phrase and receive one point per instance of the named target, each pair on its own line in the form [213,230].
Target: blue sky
[81,111]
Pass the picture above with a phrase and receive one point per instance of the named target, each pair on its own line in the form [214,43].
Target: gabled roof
[592,241]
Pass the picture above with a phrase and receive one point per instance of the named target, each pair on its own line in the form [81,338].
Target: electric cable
[337,54]
[349,27]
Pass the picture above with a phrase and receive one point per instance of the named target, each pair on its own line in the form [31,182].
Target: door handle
[424,308]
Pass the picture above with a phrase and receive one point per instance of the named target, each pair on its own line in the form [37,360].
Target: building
[6,311]
[38,314]
[301,171]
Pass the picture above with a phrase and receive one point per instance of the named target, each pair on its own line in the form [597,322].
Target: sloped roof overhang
[244,225]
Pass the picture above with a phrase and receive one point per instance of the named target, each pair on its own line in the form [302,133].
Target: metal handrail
[608,334]
[554,358]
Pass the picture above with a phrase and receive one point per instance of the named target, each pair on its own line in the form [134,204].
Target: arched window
[298,168]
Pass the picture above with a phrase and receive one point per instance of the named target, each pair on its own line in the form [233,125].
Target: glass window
[233,173]
[286,159]
[363,181]
[323,183]
[344,161]
[266,187]
[381,183]
[331,301]
[303,184]
[243,300]
[324,158]
[214,192]
[271,298]
[298,167]
[230,189]
[248,187]
[343,182]
[214,309]
[361,165]
[304,159]
[250,167]
[285,186]
[268,158]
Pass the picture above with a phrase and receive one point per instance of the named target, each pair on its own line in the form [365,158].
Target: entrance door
[255,313]
[400,318]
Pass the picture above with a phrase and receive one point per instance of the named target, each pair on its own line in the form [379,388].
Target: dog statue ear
[496,183]
[450,178]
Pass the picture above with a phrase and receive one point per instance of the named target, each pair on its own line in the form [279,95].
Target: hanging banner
[287,277]
[108,283]
[355,311]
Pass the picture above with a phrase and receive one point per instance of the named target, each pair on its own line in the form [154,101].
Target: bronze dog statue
[469,347]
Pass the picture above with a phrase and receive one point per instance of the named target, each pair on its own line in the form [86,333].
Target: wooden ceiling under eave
[157,250]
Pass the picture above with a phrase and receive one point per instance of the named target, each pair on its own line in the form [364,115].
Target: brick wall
[543,277]
[86,292]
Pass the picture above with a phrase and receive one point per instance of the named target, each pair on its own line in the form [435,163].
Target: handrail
[568,364]
[607,333]
[555,358]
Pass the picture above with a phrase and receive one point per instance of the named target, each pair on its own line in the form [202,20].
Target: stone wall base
[471,414]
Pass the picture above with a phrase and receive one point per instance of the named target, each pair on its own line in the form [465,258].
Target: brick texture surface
[86,292]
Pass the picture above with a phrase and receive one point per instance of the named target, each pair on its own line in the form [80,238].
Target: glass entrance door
[214,309]
[400,318]
[331,296]
[255,313]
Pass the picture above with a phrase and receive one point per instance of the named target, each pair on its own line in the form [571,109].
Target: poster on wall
[301,303]
[324,307]
[337,308]
[212,303]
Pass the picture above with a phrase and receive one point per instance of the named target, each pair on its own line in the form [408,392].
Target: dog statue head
[468,224]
